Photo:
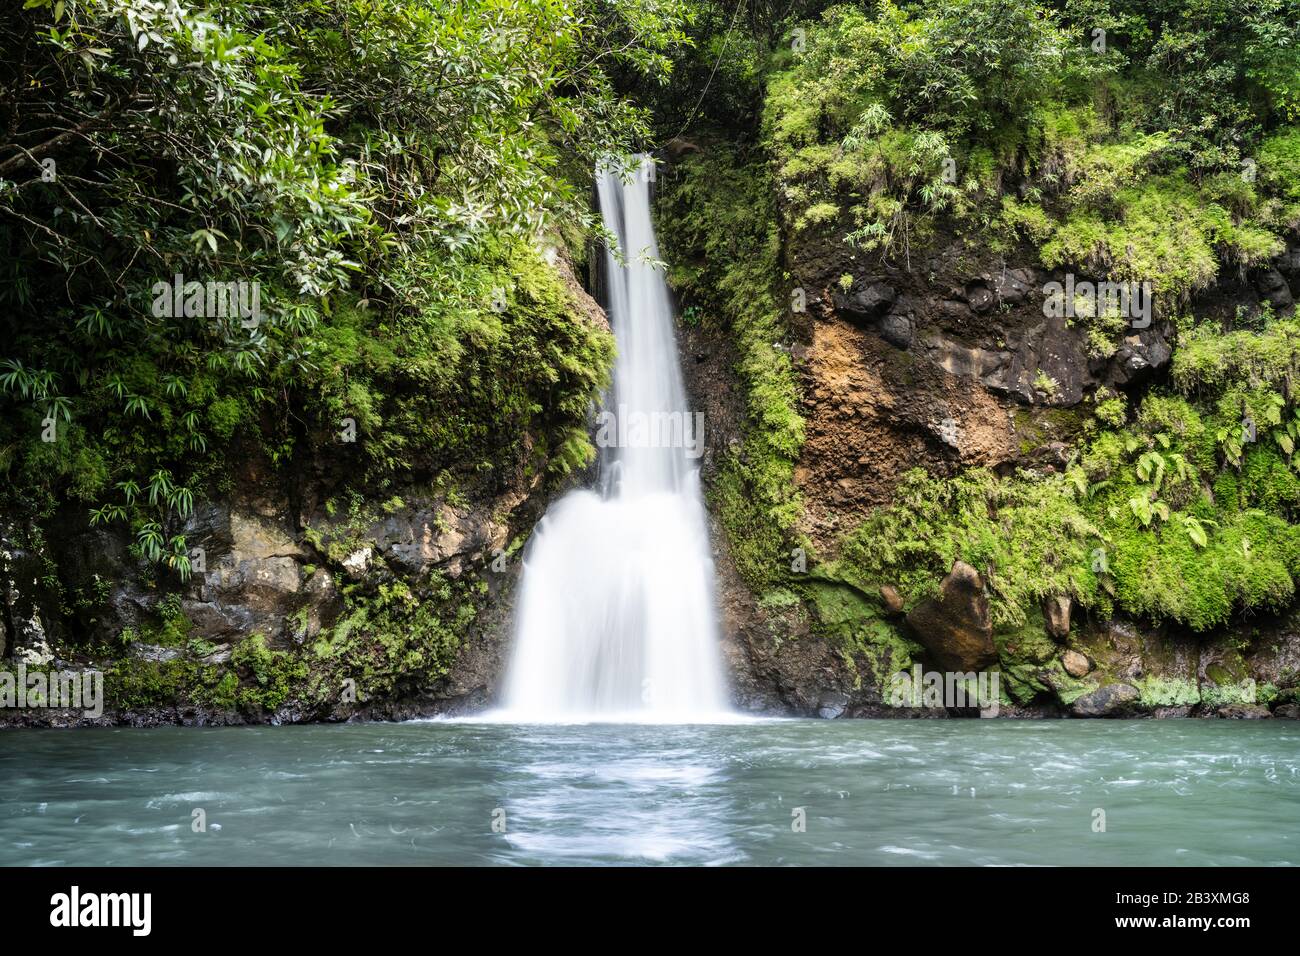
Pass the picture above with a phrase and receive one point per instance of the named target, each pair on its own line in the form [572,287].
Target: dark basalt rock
[1109,701]
[1272,287]
[950,310]
[864,303]
[896,329]
[1013,286]
[1138,357]
[1244,711]
[980,298]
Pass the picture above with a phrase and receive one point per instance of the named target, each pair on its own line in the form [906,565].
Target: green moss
[1279,168]
[778,599]
[845,615]
[1067,689]
[1037,426]
[132,683]
[272,675]
[1030,538]
[1023,681]
[838,607]
[1163,230]
[1022,654]
[166,627]
[1250,561]
[1219,695]
[1161,691]
[721,242]
[224,695]
[398,640]
[872,147]
[1030,642]
[1207,357]
[1131,524]
[1229,672]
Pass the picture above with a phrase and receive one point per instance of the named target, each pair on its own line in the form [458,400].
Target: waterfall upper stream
[616,617]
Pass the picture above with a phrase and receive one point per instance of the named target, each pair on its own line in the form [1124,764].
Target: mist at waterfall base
[616,618]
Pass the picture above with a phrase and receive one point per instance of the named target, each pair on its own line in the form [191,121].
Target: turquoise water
[1174,792]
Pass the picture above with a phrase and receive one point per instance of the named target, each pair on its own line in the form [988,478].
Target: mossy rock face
[1036,427]
[1024,682]
[1022,653]
[848,616]
[1227,679]
[1029,643]
[839,605]
[1223,673]
[137,684]
[385,646]
[1067,689]
[1111,700]
[719,232]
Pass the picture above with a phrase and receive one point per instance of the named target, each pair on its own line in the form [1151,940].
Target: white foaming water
[616,617]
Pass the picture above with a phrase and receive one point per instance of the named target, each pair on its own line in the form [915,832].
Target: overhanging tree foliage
[380,172]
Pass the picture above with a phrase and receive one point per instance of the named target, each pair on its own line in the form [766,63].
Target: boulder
[1013,286]
[415,540]
[950,310]
[956,627]
[1287,711]
[1138,358]
[1076,664]
[1109,701]
[251,574]
[896,329]
[1272,288]
[865,302]
[832,704]
[357,563]
[1056,614]
[1244,711]
[980,298]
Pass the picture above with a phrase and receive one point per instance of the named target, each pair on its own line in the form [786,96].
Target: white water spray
[616,616]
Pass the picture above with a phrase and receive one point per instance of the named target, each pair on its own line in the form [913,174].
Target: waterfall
[616,616]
